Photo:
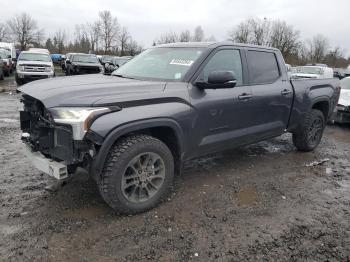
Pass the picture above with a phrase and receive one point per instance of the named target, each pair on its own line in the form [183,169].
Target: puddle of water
[8,120]
[247,196]
[85,213]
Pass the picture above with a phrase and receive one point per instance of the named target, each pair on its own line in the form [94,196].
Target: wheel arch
[166,130]
[322,104]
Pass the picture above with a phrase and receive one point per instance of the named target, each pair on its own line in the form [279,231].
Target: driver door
[224,117]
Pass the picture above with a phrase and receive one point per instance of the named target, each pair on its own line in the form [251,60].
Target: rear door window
[263,67]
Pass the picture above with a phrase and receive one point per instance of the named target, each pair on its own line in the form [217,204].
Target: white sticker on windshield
[183,62]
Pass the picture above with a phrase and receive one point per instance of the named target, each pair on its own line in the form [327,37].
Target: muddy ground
[257,203]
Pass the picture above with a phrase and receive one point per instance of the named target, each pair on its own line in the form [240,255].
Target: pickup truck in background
[80,64]
[133,130]
[33,65]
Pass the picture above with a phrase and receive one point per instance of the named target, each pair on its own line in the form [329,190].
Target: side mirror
[68,61]
[218,80]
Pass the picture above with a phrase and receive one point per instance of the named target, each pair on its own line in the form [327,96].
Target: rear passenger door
[271,90]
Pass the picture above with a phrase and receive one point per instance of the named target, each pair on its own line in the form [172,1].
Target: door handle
[286,92]
[245,96]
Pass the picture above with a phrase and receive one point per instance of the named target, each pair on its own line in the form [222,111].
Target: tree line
[273,33]
[107,36]
[103,36]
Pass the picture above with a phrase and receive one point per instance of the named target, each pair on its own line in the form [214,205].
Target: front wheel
[309,134]
[137,174]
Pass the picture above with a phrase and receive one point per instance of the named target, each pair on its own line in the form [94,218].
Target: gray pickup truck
[133,130]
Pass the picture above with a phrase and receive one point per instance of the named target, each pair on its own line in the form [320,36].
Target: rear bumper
[53,168]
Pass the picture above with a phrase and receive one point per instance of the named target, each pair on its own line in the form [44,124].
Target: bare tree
[252,31]
[285,38]
[4,33]
[240,34]
[198,34]
[260,31]
[60,38]
[318,47]
[124,37]
[109,30]
[166,38]
[185,36]
[24,29]
[93,30]
[133,48]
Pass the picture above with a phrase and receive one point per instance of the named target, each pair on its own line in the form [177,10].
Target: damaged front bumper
[53,168]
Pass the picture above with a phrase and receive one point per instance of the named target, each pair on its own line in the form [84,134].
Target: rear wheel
[309,134]
[137,175]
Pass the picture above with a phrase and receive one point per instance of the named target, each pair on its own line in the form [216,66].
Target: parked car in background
[67,57]
[339,72]
[342,112]
[133,130]
[33,65]
[10,47]
[7,61]
[1,70]
[116,62]
[80,64]
[318,72]
[39,50]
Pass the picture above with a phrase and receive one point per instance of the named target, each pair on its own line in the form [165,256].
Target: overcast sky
[147,20]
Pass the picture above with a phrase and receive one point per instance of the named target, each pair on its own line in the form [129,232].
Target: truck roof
[214,45]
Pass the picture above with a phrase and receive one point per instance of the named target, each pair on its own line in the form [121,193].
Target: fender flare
[322,99]
[117,132]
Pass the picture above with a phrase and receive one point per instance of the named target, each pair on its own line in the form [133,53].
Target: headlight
[20,68]
[77,117]
[48,69]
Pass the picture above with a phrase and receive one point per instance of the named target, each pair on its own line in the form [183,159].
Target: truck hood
[34,63]
[344,98]
[86,64]
[90,90]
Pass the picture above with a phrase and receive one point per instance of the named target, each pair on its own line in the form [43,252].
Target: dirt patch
[257,203]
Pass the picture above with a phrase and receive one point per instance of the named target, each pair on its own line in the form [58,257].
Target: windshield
[345,83]
[34,57]
[309,70]
[160,63]
[107,59]
[85,59]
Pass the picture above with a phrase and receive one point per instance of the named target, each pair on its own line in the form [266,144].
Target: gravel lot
[257,203]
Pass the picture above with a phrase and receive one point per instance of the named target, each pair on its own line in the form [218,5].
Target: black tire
[115,169]
[7,73]
[2,76]
[307,137]
[18,81]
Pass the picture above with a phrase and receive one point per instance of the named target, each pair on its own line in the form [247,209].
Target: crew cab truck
[134,129]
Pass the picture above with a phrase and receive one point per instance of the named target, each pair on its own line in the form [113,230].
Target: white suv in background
[33,65]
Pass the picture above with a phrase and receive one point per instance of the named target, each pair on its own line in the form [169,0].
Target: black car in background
[115,63]
[80,64]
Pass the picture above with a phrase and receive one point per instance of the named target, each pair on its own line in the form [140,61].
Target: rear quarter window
[263,67]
